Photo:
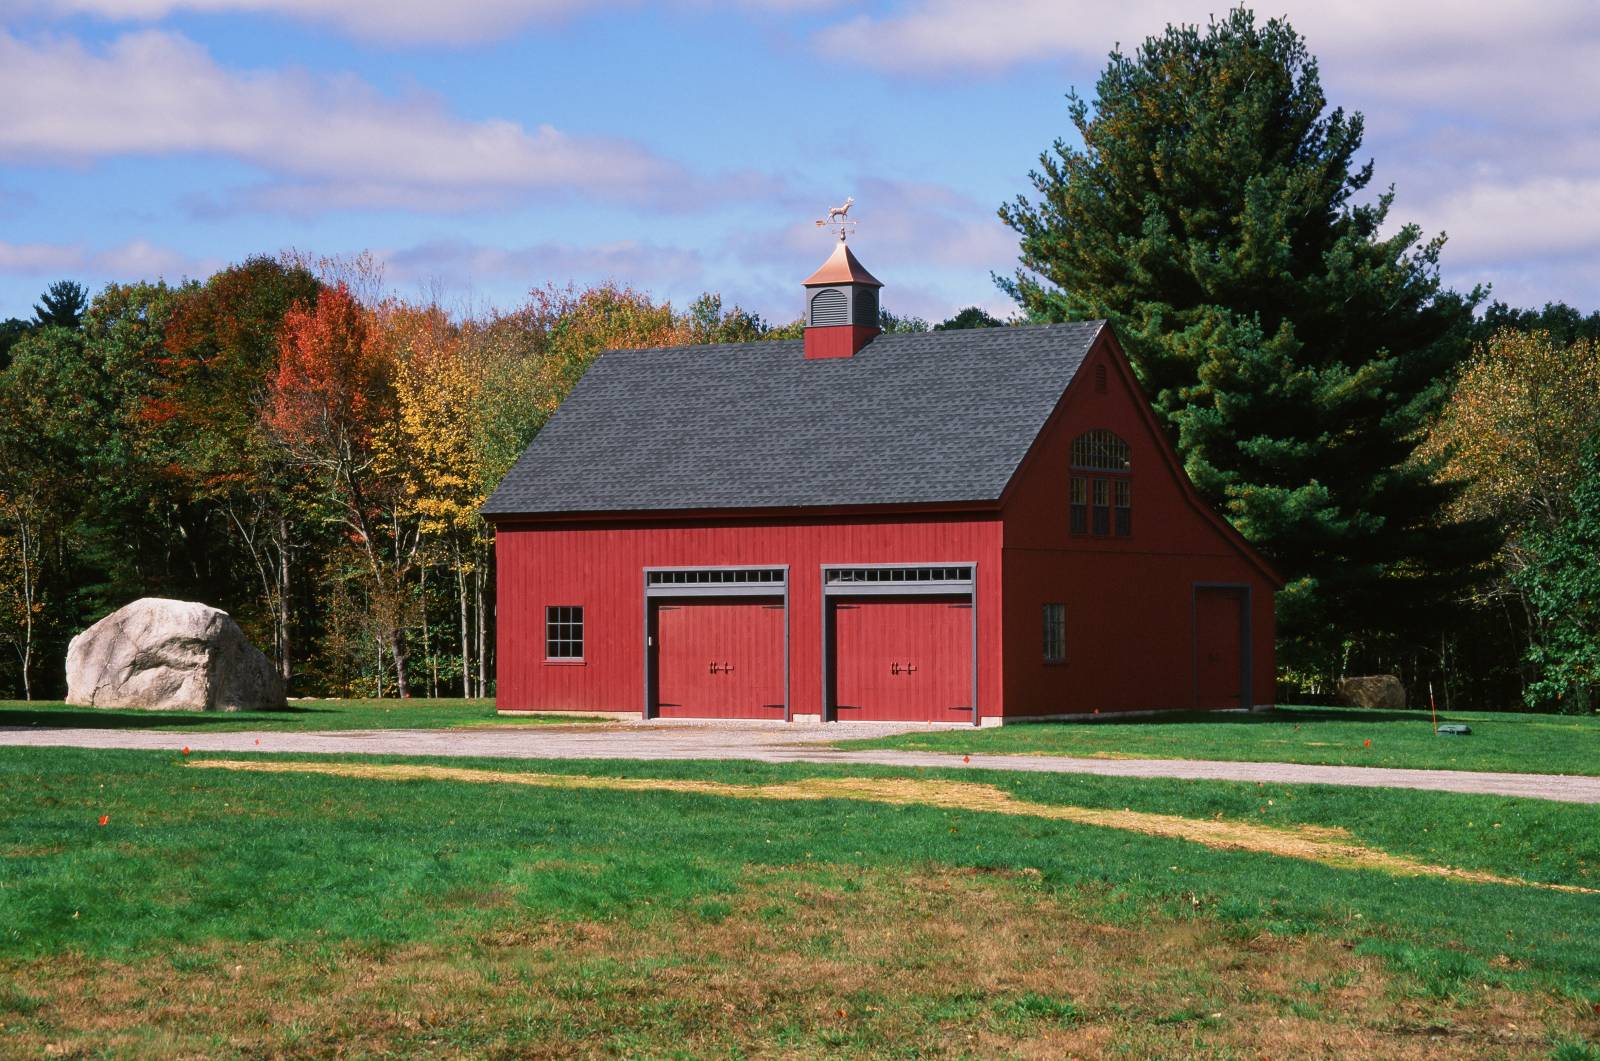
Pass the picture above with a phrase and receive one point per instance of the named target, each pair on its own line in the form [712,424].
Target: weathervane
[839,219]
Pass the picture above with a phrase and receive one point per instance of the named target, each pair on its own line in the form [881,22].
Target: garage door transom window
[1101,499]
[563,632]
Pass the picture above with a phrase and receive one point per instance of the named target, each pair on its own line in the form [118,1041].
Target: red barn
[962,526]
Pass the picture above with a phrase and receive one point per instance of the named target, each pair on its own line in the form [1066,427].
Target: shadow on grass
[1274,717]
[94,718]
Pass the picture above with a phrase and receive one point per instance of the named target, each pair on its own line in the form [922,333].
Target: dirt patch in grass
[799,961]
[1311,843]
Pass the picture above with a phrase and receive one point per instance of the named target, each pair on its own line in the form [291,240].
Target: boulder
[168,655]
[1373,690]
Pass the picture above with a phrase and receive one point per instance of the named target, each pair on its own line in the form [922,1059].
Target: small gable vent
[1100,379]
[828,307]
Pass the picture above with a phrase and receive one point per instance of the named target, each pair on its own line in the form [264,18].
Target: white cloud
[135,260]
[32,259]
[336,141]
[937,36]
[1547,217]
[458,262]
[394,21]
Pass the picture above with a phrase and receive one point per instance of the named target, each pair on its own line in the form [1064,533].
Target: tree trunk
[27,615]
[398,651]
[483,638]
[285,656]
[427,650]
[466,622]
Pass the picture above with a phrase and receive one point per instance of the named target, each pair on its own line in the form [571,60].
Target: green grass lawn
[223,913]
[1522,743]
[301,715]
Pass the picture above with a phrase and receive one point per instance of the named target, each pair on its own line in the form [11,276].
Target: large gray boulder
[169,655]
[1373,690]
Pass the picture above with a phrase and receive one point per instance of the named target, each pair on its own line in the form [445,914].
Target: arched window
[1100,450]
[1102,485]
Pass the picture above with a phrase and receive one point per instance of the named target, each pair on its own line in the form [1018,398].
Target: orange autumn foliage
[333,379]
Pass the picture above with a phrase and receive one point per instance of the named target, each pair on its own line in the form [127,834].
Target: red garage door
[1219,648]
[719,660]
[903,660]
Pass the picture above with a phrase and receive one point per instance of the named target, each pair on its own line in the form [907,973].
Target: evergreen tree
[1293,353]
[61,306]
[971,317]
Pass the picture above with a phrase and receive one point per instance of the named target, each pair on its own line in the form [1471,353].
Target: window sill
[566,663]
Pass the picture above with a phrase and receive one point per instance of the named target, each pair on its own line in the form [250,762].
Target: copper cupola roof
[841,268]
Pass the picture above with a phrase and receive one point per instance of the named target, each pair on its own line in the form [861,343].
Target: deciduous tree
[332,392]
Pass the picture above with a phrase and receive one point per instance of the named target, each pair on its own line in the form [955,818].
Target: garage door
[903,660]
[1219,648]
[718,659]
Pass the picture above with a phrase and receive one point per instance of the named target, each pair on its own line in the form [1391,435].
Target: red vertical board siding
[601,566]
[904,660]
[1130,602]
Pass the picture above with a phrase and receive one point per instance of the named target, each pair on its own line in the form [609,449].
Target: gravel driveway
[783,743]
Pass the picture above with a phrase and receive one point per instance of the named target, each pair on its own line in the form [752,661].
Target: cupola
[841,306]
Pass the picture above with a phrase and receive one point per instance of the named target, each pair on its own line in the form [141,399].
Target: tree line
[284,441]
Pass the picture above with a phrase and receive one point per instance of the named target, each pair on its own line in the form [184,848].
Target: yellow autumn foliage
[1513,429]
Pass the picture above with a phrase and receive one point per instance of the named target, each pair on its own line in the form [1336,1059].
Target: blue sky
[483,147]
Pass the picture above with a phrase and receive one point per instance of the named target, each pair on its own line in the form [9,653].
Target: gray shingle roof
[913,418]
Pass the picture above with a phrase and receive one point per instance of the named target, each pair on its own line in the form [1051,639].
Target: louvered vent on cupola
[828,307]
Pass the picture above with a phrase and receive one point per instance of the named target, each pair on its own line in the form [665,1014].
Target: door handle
[894,668]
[711,668]
[727,668]
[911,668]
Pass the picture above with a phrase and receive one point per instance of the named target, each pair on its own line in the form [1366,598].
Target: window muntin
[563,632]
[1101,503]
[1055,633]
[1102,451]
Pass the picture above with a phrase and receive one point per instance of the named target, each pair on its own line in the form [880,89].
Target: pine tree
[1214,216]
[61,306]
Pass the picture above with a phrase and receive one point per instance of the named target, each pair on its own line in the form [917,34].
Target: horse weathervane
[839,219]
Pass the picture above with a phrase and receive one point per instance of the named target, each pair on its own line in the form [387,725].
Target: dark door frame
[834,590]
[658,590]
